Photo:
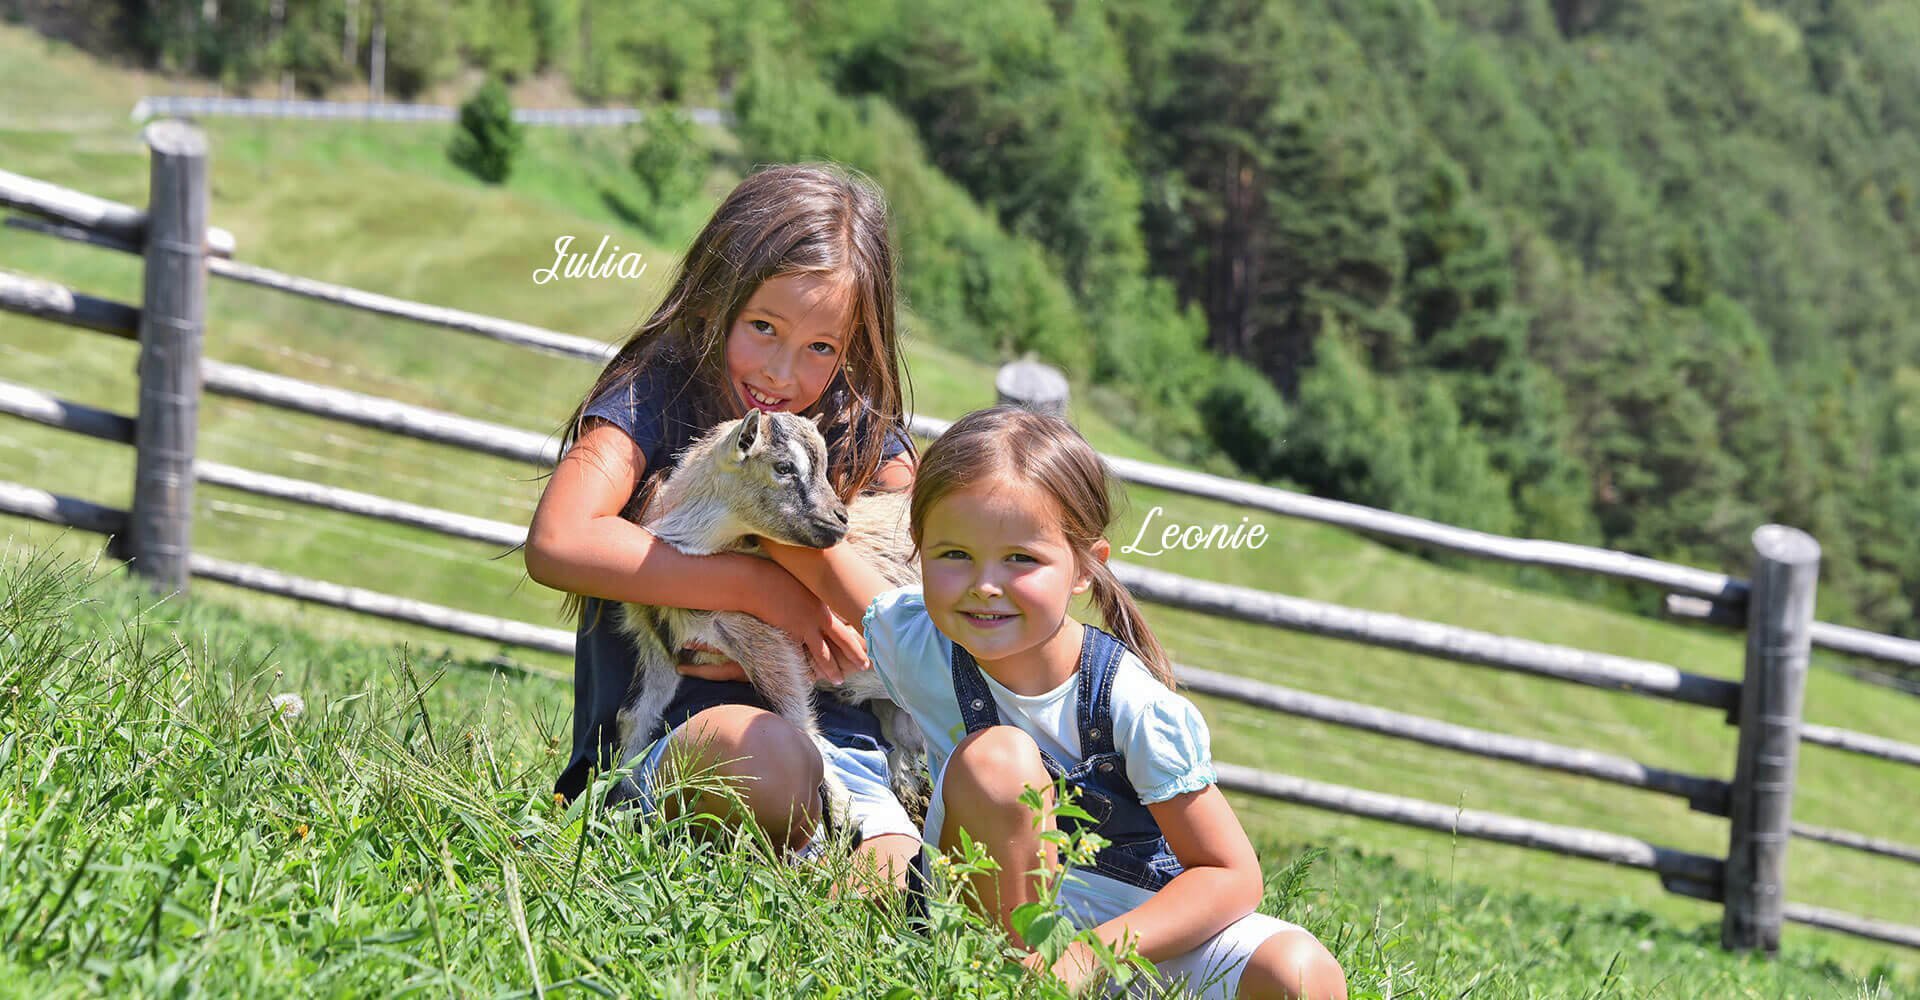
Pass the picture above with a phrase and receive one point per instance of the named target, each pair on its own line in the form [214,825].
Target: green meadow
[168,830]
[346,908]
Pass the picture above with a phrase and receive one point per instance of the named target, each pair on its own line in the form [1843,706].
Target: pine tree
[488,137]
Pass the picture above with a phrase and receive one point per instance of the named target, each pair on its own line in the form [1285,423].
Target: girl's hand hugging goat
[1008,513]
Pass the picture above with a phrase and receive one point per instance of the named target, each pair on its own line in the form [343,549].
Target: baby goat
[766,474]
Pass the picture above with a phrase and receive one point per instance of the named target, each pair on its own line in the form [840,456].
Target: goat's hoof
[839,804]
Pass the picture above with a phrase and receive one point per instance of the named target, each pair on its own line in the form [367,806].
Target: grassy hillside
[377,207]
[398,835]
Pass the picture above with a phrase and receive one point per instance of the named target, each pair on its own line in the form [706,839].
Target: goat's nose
[841,516]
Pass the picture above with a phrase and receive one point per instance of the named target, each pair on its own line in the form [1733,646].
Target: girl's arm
[1220,885]
[839,575]
[895,475]
[579,543]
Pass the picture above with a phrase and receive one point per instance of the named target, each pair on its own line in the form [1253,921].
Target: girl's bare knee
[882,862]
[774,768]
[985,777]
[995,765]
[1293,965]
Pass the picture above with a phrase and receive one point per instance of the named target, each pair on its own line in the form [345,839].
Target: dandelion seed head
[290,706]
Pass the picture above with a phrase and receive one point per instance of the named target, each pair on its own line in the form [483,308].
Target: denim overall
[1137,853]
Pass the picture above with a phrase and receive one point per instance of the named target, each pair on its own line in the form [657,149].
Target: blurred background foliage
[1627,272]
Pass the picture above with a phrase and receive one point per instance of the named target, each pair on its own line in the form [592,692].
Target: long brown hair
[1007,443]
[804,218]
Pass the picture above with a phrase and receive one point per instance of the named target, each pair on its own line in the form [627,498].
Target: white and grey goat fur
[766,475]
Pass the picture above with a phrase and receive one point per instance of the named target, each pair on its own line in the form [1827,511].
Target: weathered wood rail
[1775,610]
[251,107]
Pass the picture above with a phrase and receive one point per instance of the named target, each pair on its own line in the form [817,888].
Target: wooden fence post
[1786,566]
[1030,384]
[172,316]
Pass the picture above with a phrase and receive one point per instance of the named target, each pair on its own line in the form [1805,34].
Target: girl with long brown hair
[784,302]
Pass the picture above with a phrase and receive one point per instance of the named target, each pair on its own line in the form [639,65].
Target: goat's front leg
[777,666]
[906,762]
[654,684]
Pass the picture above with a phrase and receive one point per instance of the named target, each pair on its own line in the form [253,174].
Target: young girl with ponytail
[1009,512]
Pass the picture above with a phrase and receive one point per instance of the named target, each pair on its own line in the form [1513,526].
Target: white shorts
[1212,970]
[861,768]
[1090,899]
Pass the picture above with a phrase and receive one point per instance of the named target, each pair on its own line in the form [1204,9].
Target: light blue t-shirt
[1160,733]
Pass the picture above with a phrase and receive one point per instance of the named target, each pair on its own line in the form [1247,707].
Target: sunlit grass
[165,828]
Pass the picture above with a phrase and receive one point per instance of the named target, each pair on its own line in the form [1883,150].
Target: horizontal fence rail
[65,511]
[381,111]
[478,529]
[1431,534]
[50,508]
[1377,628]
[72,234]
[123,223]
[1696,874]
[1826,635]
[59,304]
[50,301]
[378,413]
[42,408]
[1872,645]
[1705,794]
[1848,923]
[368,602]
[503,330]
[1858,842]
[46,300]
[1691,874]
[1860,743]
[1598,670]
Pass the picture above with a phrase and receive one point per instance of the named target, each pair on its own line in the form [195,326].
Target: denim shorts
[856,758]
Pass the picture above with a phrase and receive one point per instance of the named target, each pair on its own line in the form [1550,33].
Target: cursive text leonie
[1194,536]
[603,264]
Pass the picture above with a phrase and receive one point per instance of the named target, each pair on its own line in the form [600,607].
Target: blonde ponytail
[1123,618]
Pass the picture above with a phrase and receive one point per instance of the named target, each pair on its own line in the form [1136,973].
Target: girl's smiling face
[788,341]
[998,576]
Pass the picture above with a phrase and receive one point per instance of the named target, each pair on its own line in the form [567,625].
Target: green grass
[164,830]
[377,207]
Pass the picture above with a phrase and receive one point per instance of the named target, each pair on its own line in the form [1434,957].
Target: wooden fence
[385,111]
[1774,605]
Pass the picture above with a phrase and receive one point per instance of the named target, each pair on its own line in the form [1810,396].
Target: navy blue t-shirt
[656,411]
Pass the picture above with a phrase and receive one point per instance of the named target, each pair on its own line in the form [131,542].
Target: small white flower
[290,706]
[1646,944]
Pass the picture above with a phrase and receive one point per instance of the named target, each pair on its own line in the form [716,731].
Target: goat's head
[779,486]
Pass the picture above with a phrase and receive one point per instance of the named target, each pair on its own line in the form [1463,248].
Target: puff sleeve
[1166,746]
[905,647]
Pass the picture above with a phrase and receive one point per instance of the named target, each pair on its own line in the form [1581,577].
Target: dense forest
[1627,272]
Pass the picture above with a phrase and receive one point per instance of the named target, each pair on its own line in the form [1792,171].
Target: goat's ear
[751,428]
[820,421]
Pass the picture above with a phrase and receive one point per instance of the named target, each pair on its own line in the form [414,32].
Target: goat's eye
[783,468]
